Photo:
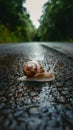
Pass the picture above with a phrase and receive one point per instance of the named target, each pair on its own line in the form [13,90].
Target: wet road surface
[33,105]
[65,48]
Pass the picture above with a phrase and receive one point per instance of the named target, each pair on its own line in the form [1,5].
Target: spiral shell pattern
[31,68]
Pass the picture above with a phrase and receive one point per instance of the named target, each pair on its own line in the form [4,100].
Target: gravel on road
[34,105]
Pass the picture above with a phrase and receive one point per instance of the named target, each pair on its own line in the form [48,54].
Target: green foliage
[6,36]
[10,12]
[56,23]
[15,24]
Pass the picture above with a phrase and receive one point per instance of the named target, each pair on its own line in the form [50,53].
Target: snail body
[34,71]
[33,68]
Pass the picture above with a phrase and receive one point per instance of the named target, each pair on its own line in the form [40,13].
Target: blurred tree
[56,23]
[11,12]
[15,17]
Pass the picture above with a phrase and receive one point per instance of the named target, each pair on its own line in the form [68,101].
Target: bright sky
[34,8]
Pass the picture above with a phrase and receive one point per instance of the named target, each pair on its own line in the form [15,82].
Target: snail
[33,68]
[34,71]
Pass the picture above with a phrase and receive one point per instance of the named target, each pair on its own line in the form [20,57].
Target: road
[34,105]
[65,48]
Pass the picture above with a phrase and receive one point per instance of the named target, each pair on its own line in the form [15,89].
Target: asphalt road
[33,105]
[65,48]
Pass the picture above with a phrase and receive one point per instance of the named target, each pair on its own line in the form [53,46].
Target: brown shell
[31,68]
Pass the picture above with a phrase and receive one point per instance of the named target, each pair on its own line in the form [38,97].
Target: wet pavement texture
[63,47]
[34,105]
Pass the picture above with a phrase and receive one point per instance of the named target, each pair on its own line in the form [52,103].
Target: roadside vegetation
[15,23]
[56,23]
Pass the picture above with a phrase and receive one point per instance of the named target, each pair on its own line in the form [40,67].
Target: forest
[56,22]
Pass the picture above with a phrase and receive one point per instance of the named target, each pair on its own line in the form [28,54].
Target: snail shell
[32,68]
